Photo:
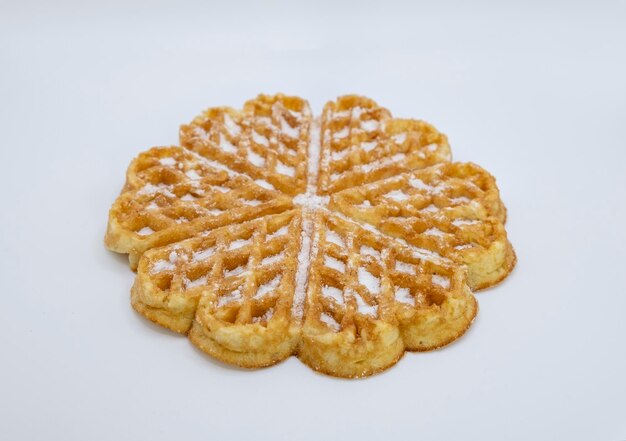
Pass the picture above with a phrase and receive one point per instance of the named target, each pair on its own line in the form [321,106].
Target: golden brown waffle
[240,291]
[245,242]
[172,194]
[371,298]
[267,140]
[362,143]
[453,209]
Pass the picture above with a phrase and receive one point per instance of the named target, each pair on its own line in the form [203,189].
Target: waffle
[239,291]
[172,194]
[362,143]
[345,240]
[371,298]
[452,209]
[267,140]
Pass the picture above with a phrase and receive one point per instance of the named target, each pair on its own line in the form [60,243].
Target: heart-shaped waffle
[345,240]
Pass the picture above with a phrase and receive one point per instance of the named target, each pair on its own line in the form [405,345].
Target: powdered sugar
[333,293]
[369,251]
[292,132]
[272,259]
[280,232]
[343,133]
[404,267]
[442,281]
[239,243]
[193,175]
[462,222]
[369,145]
[268,287]
[231,297]
[226,145]
[399,138]
[403,295]
[164,189]
[231,126]
[284,169]
[365,308]
[234,271]
[167,162]
[260,139]
[200,281]
[335,264]
[256,159]
[370,281]
[369,125]
[311,201]
[145,231]
[302,271]
[267,315]
[330,321]
[263,183]
[433,231]
[165,265]
[397,195]
[201,255]
[333,237]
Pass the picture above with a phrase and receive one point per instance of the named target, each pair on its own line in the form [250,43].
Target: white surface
[536,94]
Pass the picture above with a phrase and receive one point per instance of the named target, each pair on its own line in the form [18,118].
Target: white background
[534,93]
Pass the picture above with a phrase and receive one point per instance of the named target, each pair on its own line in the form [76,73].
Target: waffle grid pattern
[347,275]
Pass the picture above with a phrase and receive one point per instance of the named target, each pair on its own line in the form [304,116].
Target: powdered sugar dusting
[265,317]
[403,295]
[302,271]
[167,162]
[433,231]
[263,183]
[370,281]
[292,132]
[272,259]
[330,321]
[164,189]
[404,267]
[234,271]
[442,281]
[232,127]
[369,251]
[231,297]
[365,308]
[201,255]
[226,145]
[333,293]
[399,138]
[161,265]
[256,159]
[145,231]
[333,237]
[462,222]
[200,281]
[280,232]
[335,264]
[239,243]
[367,146]
[284,169]
[193,175]
[260,139]
[268,287]
[397,195]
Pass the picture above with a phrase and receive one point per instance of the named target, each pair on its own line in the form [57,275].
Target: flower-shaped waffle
[345,240]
